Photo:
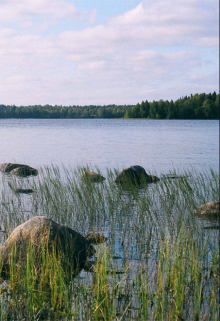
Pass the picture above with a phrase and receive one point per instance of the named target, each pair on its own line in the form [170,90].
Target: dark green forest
[198,106]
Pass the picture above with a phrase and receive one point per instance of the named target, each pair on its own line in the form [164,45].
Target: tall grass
[159,263]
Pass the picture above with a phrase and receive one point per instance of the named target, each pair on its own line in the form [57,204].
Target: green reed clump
[159,264]
[181,285]
[103,301]
[35,278]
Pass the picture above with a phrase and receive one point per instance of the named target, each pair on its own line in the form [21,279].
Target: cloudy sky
[78,52]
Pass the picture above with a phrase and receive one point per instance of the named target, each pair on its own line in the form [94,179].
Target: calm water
[157,145]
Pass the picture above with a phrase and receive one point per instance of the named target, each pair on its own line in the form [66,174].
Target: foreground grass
[159,263]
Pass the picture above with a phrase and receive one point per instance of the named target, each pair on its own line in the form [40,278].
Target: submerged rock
[208,210]
[39,235]
[92,176]
[18,169]
[135,175]
[24,190]
[21,190]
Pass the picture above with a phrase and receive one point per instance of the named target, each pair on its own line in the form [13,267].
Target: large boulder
[18,169]
[39,235]
[92,176]
[208,211]
[135,175]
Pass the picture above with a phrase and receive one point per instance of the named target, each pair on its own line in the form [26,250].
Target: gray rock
[8,167]
[92,176]
[208,210]
[43,233]
[135,175]
[18,169]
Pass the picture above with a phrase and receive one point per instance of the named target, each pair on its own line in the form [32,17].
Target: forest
[198,106]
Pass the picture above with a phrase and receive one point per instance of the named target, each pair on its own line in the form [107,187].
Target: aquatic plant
[161,261]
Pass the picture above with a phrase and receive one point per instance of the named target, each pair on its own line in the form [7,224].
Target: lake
[157,145]
[140,224]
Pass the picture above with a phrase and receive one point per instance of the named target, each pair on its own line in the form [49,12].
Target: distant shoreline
[198,106]
[105,118]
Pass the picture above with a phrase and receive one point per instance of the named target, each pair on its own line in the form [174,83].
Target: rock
[155,179]
[21,190]
[96,238]
[89,266]
[43,233]
[135,175]
[24,190]
[18,169]
[25,171]
[92,176]
[8,167]
[208,210]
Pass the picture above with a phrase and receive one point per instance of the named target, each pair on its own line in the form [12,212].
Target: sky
[100,52]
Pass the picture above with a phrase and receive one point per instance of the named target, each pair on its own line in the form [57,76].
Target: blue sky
[103,52]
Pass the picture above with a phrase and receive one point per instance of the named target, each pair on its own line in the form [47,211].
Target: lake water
[132,222]
[157,145]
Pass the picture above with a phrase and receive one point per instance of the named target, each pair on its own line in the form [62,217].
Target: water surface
[157,145]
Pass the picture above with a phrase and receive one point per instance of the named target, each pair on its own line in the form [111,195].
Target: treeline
[48,111]
[198,106]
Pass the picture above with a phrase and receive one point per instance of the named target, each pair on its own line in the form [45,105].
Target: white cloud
[20,10]
[150,24]
[157,45]
[11,9]
[168,22]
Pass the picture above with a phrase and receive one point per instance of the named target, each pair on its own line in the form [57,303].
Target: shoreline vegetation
[198,106]
[161,261]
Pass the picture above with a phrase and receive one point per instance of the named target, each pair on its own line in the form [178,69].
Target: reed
[159,263]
